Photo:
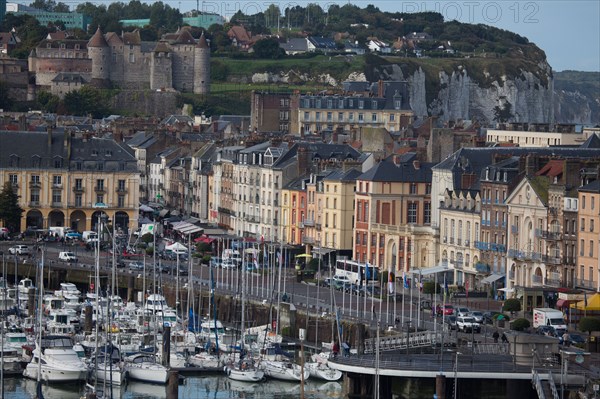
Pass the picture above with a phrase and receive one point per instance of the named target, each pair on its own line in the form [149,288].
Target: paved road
[264,287]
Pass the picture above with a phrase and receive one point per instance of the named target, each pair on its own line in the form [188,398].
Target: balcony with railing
[101,189]
[121,190]
[553,280]
[536,280]
[524,255]
[551,260]
[56,204]
[308,240]
[78,189]
[35,184]
[309,222]
[34,204]
[588,284]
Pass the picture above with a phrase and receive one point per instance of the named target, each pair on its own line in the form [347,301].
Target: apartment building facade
[66,181]
[588,237]
[460,216]
[393,215]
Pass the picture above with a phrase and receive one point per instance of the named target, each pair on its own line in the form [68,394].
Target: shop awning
[562,303]
[187,228]
[426,271]
[492,277]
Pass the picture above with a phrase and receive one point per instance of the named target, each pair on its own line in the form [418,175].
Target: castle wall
[183,67]
[45,69]
[202,71]
[136,68]
[161,71]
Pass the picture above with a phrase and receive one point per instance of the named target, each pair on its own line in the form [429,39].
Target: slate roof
[319,151]
[474,160]
[141,140]
[387,171]
[323,43]
[592,142]
[295,44]
[202,42]
[341,175]
[69,77]
[31,148]
[593,187]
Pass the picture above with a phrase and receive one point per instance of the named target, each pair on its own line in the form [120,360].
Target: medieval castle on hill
[176,62]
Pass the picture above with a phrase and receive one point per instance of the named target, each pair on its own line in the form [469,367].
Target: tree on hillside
[85,101]
[268,48]
[5,101]
[10,211]
[503,114]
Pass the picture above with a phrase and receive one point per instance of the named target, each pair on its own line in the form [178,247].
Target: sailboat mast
[40,313]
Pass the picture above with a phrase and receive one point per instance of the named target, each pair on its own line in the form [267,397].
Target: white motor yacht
[144,367]
[156,303]
[67,289]
[25,285]
[59,362]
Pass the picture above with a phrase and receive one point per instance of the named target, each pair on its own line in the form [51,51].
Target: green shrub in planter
[512,305]
[520,324]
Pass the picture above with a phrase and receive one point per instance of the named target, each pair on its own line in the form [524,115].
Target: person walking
[496,335]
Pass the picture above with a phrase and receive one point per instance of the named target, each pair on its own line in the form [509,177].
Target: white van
[59,231]
[88,236]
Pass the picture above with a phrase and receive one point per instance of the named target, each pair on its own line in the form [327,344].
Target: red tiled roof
[552,168]
[98,39]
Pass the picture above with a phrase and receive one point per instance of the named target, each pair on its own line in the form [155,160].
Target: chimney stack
[49,130]
[380,88]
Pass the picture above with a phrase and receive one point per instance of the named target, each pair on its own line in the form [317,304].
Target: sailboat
[53,358]
[245,369]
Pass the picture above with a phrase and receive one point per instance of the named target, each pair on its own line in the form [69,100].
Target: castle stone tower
[99,52]
[161,71]
[202,67]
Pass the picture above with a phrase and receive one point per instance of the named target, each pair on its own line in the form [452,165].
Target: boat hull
[252,375]
[323,372]
[54,375]
[153,375]
[284,371]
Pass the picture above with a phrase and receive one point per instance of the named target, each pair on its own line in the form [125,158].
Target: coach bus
[356,271]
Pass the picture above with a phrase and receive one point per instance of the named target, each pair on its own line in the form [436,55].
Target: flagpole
[403,292]
[419,300]
[366,288]
[410,305]
[434,310]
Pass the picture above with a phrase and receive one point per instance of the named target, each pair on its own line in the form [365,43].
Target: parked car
[73,235]
[445,310]
[228,264]
[547,330]
[489,317]
[467,324]
[326,282]
[477,315]
[577,340]
[461,311]
[136,265]
[19,250]
[67,257]
[340,281]
[451,322]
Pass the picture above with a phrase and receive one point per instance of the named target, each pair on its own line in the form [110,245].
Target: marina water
[205,386]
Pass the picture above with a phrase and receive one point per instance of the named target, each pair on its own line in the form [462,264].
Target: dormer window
[108,153]
[94,153]
[77,47]
[62,46]
[36,161]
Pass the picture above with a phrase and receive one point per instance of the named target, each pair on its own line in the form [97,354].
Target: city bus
[356,271]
